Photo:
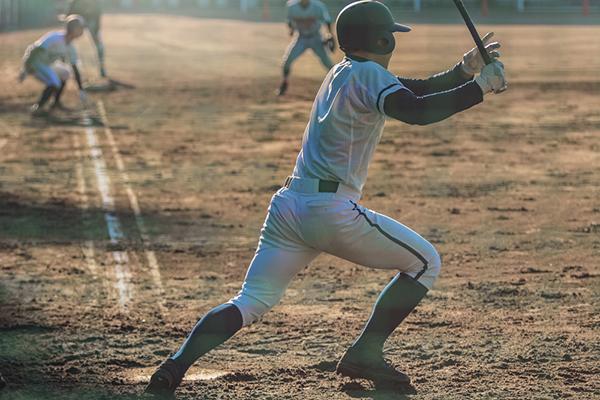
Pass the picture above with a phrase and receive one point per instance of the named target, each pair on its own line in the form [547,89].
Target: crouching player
[46,60]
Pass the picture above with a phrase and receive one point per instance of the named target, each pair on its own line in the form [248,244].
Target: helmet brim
[401,28]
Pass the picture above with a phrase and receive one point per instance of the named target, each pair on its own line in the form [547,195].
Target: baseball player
[304,19]
[45,59]
[91,11]
[317,209]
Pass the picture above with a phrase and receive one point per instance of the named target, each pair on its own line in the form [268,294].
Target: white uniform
[346,123]
[307,23]
[46,58]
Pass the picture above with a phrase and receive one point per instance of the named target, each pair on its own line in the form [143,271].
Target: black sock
[218,325]
[394,304]
[45,96]
[59,92]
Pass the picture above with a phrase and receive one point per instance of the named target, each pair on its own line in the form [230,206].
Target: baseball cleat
[376,369]
[164,381]
[37,111]
[282,88]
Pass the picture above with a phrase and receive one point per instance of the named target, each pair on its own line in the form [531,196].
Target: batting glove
[473,61]
[492,78]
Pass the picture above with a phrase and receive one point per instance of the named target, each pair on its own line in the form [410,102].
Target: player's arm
[326,18]
[408,107]
[77,75]
[290,22]
[471,64]
[447,80]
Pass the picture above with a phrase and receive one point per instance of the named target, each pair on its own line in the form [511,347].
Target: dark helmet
[367,25]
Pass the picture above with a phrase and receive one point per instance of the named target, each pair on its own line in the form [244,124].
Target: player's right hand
[492,78]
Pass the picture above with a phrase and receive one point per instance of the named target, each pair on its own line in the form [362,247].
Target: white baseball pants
[300,44]
[301,223]
[52,75]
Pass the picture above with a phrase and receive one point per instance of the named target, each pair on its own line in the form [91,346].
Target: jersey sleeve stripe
[381,97]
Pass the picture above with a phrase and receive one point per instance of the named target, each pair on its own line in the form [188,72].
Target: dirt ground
[509,192]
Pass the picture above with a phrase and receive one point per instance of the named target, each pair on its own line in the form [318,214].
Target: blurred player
[305,17]
[45,59]
[317,210]
[91,11]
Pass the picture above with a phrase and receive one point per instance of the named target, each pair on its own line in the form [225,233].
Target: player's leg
[97,37]
[377,241]
[45,74]
[319,48]
[277,260]
[63,73]
[268,276]
[293,51]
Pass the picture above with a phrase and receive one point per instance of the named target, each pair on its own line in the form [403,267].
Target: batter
[46,60]
[317,209]
[304,19]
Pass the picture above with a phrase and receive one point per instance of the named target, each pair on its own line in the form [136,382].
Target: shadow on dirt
[54,220]
[378,391]
[109,85]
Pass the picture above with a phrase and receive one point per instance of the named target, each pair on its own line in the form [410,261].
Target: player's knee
[254,306]
[428,275]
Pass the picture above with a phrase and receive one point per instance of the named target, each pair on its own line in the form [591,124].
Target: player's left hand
[330,43]
[473,61]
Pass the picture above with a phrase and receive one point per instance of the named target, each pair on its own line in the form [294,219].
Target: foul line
[88,249]
[113,223]
[135,206]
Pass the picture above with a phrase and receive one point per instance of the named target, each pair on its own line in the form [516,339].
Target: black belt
[324,186]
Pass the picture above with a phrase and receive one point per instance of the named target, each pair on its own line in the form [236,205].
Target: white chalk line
[113,224]
[135,206]
[88,247]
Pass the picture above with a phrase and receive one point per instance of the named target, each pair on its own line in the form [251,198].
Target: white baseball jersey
[55,48]
[307,21]
[346,123]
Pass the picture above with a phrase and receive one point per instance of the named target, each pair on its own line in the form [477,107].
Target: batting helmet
[367,25]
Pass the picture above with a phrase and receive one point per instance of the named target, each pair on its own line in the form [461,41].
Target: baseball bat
[478,42]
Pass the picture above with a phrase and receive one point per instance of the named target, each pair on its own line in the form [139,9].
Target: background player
[305,17]
[45,59]
[317,210]
[91,11]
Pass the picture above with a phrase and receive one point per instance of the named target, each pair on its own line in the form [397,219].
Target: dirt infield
[182,173]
